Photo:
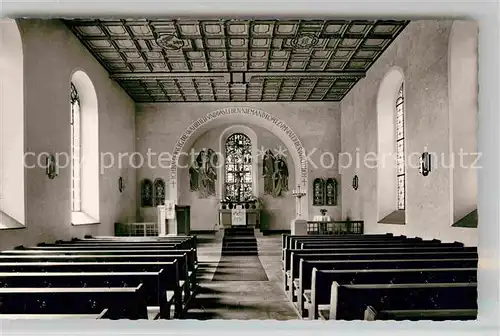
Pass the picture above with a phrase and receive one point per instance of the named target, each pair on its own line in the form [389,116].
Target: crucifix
[298,193]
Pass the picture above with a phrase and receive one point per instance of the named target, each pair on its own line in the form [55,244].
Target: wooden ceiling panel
[236,60]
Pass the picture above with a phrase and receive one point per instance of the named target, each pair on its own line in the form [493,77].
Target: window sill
[397,217]
[468,221]
[81,218]
[9,223]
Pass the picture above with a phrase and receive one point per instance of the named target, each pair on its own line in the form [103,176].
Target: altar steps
[239,242]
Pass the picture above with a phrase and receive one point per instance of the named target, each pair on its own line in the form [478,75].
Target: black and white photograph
[239,168]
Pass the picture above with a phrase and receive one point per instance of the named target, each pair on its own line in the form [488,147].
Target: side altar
[239,214]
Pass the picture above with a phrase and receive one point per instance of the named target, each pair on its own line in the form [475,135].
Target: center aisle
[242,300]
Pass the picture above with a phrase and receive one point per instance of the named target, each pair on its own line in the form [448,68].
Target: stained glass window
[75,150]
[238,168]
[400,148]
[319,192]
[159,192]
[331,192]
[146,193]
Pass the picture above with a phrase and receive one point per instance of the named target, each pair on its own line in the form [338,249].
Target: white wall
[317,124]
[421,51]
[51,54]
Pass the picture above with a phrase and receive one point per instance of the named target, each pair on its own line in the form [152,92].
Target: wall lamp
[425,164]
[121,185]
[355,182]
[51,167]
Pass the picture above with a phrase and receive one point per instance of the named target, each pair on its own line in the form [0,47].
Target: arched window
[391,168]
[12,145]
[84,125]
[400,148]
[75,151]
[238,168]
[159,192]
[146,193]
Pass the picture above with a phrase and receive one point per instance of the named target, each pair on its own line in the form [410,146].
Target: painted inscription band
[231,111]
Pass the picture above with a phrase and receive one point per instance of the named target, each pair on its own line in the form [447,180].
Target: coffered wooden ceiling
[236,60]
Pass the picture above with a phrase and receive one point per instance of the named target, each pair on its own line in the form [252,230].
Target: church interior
[238,169]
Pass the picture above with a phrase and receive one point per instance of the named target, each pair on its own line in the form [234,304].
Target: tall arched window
[85,173]
[13,162]
[238,168]
[400,148]
[75,151]
[391,169]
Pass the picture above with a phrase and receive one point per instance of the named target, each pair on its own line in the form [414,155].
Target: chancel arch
[240,116]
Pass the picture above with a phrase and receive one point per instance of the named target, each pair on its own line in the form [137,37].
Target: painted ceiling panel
[162,60]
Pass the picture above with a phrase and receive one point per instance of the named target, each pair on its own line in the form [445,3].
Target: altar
[245,214]
[251,218]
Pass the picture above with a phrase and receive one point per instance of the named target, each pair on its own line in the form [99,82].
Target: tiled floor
[241,300]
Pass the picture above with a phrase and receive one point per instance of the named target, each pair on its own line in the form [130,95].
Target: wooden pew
[348,302]
[181,243]
[191,239]
[117,244]
[106,266]
[312,245]
[294,242]
[94,250]
[420,315]
[287,239]
[378,276]
[302,266]
[153,249]
[378,249]
[100,316]
[192,258]
[122,303]
[183,264]
[160,287]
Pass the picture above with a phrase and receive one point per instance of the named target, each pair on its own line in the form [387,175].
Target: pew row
[287,239]
[349,302]
[180,302]
[288,264]
[160,288]
[187,270]
[303,280]
[122,303]
[102,315]
[420,315]
[321,279]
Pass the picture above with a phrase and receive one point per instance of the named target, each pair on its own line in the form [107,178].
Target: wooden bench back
[155,283]
[122,303]
[313,245]
[191,253]
[421,315]
[303,265]
[287,240]
[348,302]
[378,249]
[181,257]
[324,278]
[295,243]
